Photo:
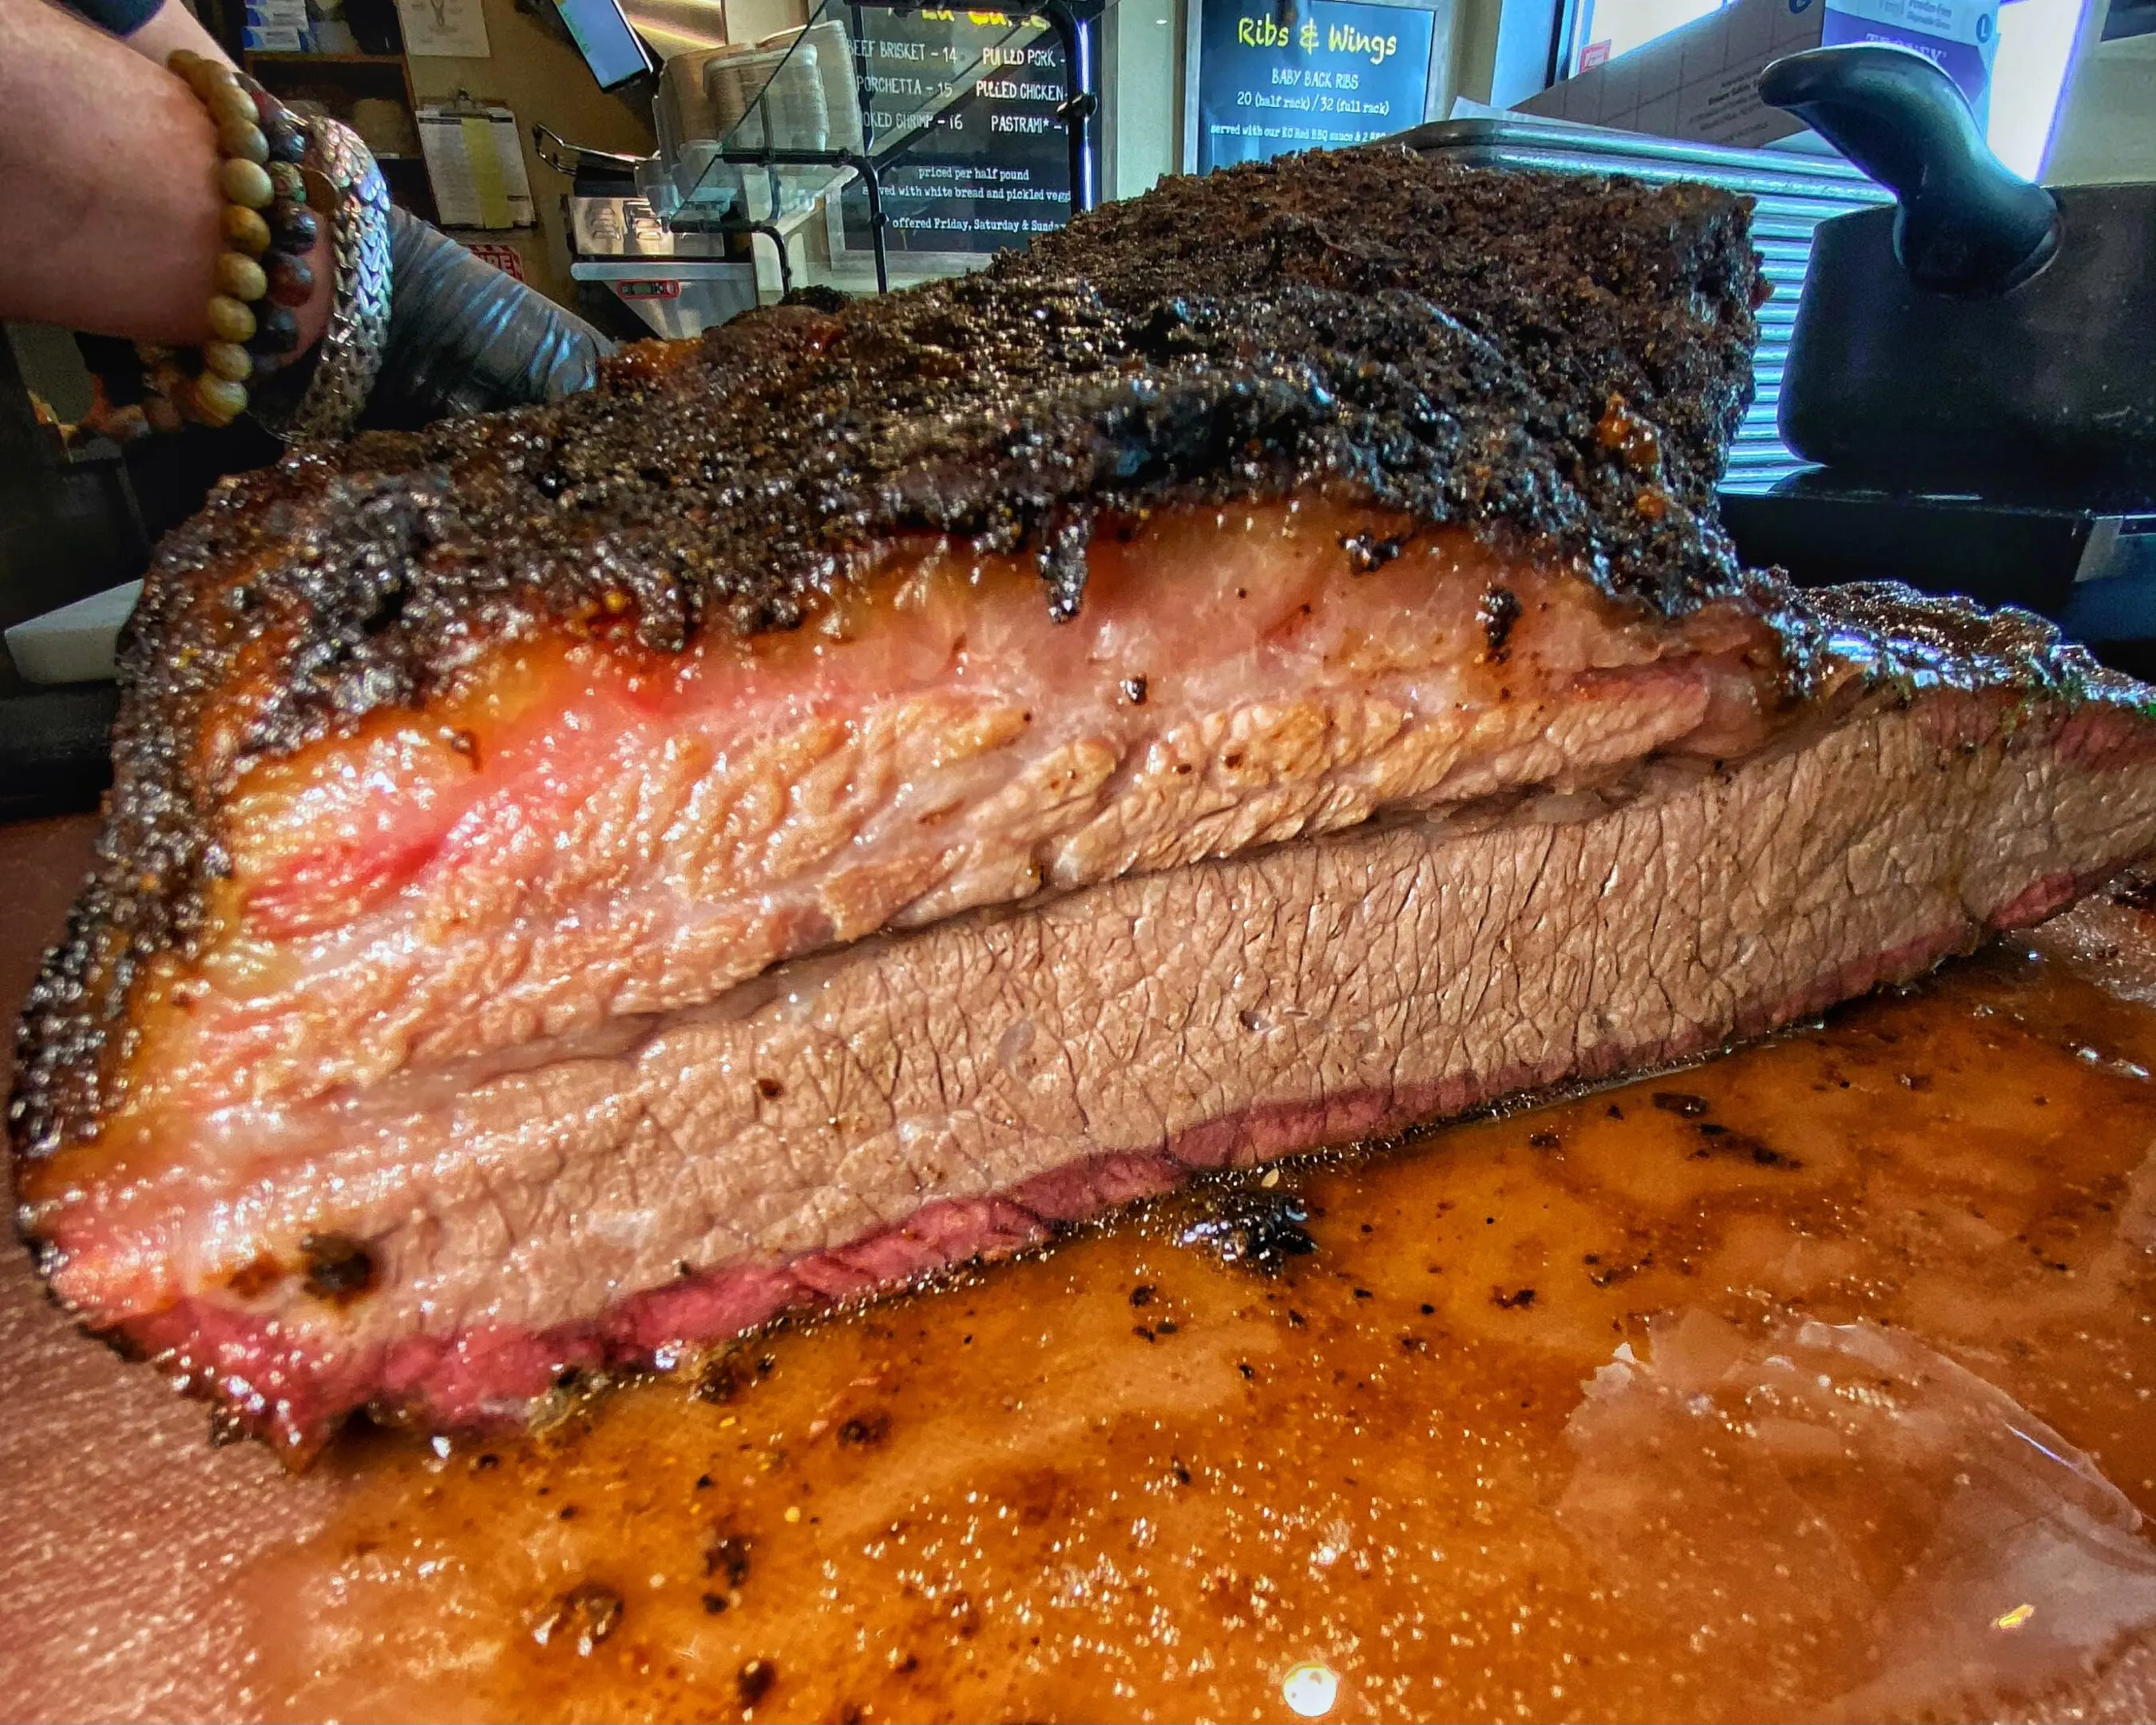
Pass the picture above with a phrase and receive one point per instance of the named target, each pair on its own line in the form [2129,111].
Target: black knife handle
[55,749]
[1969,226]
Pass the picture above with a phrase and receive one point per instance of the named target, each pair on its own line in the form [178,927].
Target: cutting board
[1816,1378]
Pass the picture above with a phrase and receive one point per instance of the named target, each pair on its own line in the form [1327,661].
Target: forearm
[114,207]
[171,26]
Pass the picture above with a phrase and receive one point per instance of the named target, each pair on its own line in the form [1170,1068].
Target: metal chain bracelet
[344,182]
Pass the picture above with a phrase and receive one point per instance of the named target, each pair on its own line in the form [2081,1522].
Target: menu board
[972,155]
[1309,75]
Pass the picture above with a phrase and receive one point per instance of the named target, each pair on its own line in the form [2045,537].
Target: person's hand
[465,338]
[113,207]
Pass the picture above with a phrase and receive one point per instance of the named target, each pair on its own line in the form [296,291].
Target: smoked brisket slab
[854,793]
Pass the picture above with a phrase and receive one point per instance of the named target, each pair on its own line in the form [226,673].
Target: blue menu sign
[1273,78]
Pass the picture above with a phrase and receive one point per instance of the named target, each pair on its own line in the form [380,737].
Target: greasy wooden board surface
[1128,1479]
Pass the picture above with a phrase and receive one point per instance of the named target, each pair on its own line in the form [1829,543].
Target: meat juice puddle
[1759,1390]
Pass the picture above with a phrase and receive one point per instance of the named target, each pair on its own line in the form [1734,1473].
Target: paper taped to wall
[444,27]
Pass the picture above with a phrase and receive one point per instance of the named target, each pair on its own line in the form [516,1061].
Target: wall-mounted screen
[602,36]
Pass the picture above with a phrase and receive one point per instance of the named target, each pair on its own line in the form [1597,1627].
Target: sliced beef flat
[861,791]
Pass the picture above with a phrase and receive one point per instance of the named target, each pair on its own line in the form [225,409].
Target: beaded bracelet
[262,273]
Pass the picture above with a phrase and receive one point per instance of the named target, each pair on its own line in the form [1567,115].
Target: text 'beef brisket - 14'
[1255,672]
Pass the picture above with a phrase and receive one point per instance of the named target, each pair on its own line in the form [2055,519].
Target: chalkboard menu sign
[972,155]
[1267,77]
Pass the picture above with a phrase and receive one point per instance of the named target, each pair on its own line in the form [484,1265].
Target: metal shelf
[280,58]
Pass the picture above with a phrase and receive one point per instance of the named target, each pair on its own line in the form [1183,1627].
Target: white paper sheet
[444,27]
